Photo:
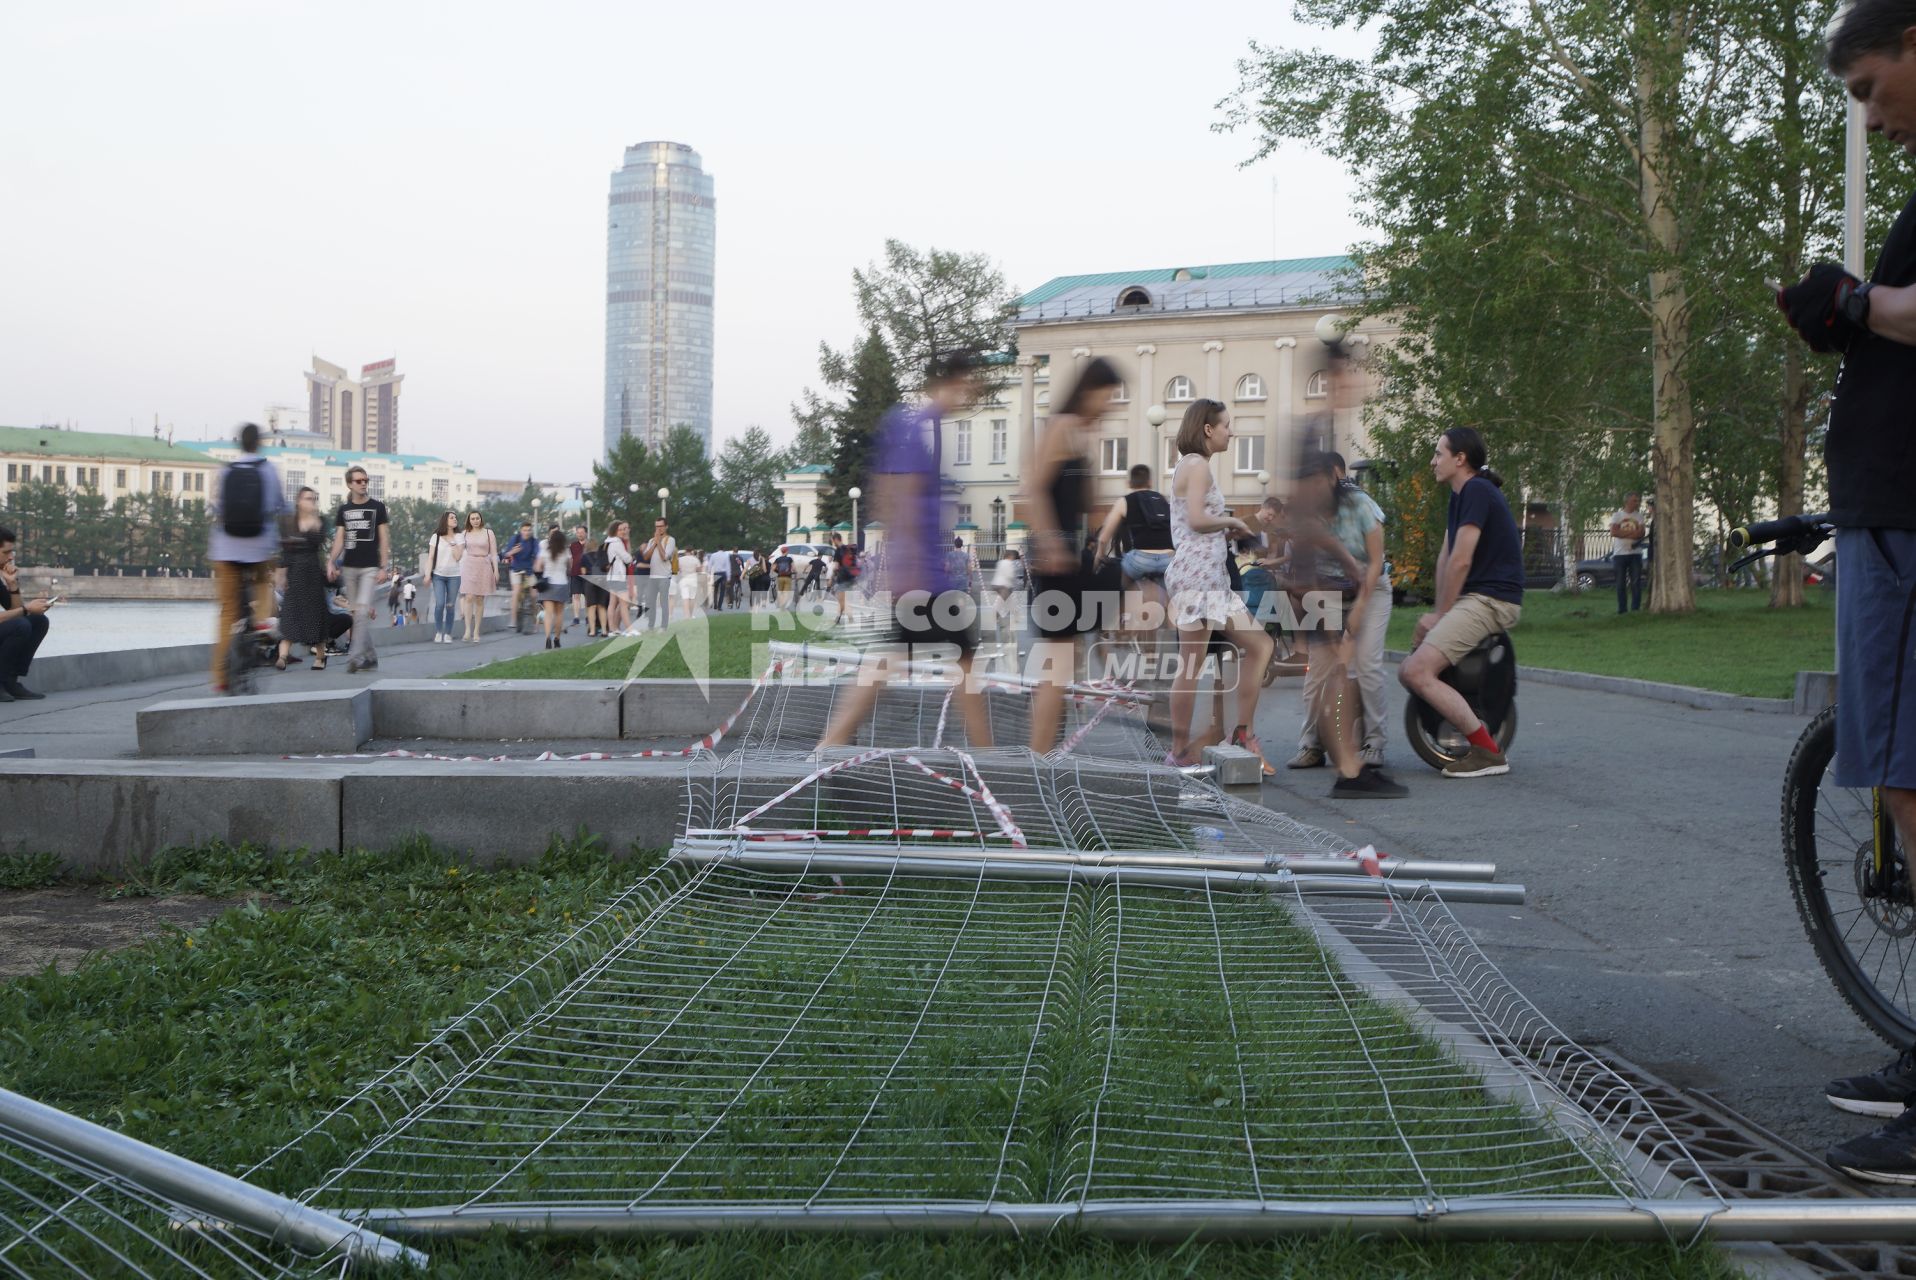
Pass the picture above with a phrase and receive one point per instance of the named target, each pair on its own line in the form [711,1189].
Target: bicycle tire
[1809,868]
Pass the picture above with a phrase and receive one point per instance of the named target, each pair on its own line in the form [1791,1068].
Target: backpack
[243,500]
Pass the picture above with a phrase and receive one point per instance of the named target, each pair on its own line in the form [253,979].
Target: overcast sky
[196,196]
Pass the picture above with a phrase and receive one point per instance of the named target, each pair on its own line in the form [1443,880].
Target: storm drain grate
[1748,1162]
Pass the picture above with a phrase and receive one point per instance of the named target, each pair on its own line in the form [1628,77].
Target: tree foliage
[701,515]
[871,387]
[749,469]
[1572,209]
[931,302]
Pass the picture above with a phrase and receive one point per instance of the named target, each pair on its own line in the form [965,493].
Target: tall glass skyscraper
[661,228]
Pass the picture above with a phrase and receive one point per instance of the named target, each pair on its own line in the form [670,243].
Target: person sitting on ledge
[23,625]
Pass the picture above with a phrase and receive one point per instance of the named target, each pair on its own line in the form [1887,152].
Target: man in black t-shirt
[362,550]
[1871,456]
[1479,593]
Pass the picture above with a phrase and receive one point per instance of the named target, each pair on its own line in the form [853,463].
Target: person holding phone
[23,625]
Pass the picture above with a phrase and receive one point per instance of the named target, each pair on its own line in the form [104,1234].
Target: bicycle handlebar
[1765,531]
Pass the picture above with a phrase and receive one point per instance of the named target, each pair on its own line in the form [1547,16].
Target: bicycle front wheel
[1861,921]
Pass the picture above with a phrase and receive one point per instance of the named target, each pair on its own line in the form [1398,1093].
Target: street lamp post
[855,493]
[632,501]
[1264,482]
[588,519]
[664,493]
[536,504]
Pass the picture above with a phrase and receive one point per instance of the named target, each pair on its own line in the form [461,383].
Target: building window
[961,444]
[13,472]
[1112,456]
[1134,297]
[1042,400]
[1319,385]
[1249,452]
[1170,462]
[998,435]
[376,485]
[1250,387]
[119,478]
[1043,372]
[46,473]
[1179,388]
[964,513]
[1122,395]
[199,482]
[439,491]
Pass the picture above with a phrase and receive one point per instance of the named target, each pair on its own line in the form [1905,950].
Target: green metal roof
[46,442]
[809,469]
[1165,275]
[277,451]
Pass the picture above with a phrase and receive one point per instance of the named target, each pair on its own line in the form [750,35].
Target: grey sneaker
[1373,753]
[1477,763]
[1306,758]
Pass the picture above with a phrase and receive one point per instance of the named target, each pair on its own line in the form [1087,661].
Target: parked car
[801,552]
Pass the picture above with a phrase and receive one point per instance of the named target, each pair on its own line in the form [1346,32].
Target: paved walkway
[1660,920]
[97,724]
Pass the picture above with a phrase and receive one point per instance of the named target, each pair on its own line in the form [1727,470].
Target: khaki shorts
[1473,619]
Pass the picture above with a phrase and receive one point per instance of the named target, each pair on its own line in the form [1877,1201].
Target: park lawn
[224,1042]
[733,649]
[1733,643]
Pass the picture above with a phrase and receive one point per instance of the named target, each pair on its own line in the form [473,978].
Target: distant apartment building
[661,234]
[361,413]
[113,466]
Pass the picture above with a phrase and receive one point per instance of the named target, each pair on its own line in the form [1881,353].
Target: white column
[1213,390]
[1143,438]
[1027,441]
[1284,430]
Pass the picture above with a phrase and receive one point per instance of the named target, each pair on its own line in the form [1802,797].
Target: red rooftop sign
[382,367]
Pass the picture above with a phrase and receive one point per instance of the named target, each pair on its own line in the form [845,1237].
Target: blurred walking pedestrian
[575,558]
[1058,494]
[929,607]
[246,500]
[478,573]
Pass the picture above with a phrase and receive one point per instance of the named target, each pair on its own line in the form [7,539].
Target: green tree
[39,514]
[871,388]
[936,301]
[1594,132]
[749,469]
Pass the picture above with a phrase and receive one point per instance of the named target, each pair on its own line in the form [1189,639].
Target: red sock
[1480,737]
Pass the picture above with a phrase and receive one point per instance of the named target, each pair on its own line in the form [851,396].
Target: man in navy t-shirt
[1479,593]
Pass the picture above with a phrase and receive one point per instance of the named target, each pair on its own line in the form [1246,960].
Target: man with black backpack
[246,502]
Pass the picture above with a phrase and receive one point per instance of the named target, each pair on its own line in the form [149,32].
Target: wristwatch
[1855,305]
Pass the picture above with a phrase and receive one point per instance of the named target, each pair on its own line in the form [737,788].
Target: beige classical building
[1245,333]
[113,466]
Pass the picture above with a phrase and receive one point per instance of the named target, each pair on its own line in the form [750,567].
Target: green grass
[1733,643]
[733,644]
[224,1042]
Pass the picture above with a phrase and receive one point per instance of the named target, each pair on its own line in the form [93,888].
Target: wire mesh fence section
[791,713]
[761,1038]
[950,800]
[63,1216]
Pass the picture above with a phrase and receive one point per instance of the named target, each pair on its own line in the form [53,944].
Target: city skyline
[661,246]
[175,220]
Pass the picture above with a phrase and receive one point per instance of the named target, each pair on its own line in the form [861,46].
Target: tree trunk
[1786,588]
[1673,439]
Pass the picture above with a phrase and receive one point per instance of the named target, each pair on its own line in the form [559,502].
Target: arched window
[1319,385]
[1042,399]
[1250,387]
[1134,297]
[1179,388]
[1121,394]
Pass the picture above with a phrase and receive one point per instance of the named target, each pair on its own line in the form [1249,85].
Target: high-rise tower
[661,227]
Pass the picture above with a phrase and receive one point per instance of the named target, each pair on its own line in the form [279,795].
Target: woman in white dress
[690,583]
[1199,585]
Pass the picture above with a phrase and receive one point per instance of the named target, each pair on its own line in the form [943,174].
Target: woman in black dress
[302,609]
[1064,605]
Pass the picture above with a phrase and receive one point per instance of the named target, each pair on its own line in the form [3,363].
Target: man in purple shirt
[929,607]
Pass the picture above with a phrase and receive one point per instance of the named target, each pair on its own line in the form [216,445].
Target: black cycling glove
[1814,306]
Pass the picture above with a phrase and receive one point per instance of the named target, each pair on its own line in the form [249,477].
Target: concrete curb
[68,671]
[1655,691]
